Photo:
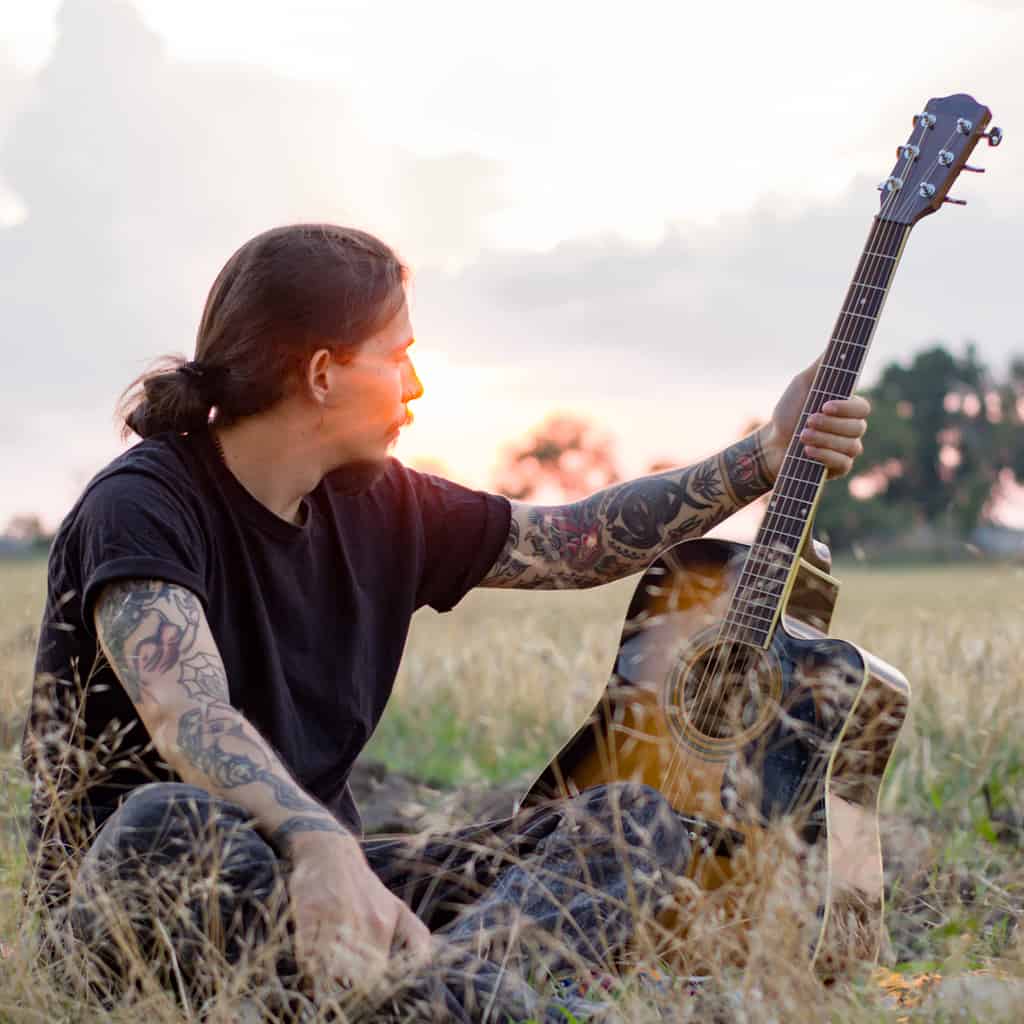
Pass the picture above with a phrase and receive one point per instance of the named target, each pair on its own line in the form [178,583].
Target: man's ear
[320,376]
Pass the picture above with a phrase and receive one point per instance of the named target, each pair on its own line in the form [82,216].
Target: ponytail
[175,395]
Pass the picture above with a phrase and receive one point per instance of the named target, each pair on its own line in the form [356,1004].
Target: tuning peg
[994,136]
[974,170]
[955,202]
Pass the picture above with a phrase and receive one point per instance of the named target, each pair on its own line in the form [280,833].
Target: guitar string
[881,245]
[879,240]
[713,666]
[770,531]
[877,249]
[790,498]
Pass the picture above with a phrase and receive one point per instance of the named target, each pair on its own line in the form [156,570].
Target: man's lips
[404,423]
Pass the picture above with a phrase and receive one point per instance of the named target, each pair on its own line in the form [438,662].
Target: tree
[25,533]
[562,459]
[942,434]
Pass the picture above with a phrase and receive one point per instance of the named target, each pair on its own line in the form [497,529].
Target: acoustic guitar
[768,736]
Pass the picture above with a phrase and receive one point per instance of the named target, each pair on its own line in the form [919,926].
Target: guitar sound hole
[727,690]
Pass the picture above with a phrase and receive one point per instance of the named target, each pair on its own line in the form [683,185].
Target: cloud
[140,174]
[750,299]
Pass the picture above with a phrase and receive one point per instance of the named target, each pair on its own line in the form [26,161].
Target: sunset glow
[658,249]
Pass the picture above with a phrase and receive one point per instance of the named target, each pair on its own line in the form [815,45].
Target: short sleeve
[463,534]
[132,525]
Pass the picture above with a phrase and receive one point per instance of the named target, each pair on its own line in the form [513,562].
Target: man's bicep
[532,549]
[158,642]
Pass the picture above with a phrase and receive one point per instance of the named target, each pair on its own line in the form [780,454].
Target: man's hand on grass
[347,923]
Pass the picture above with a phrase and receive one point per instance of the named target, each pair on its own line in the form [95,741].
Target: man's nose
[413,386]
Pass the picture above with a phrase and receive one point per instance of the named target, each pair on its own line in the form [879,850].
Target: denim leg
[576,899]
[178,881]
[557,888]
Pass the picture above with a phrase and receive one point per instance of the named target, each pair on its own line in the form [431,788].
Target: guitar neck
[772,561]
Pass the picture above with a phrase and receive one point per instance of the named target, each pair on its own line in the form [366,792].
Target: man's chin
[358,475]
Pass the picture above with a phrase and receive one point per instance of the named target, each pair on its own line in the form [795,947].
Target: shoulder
[155,479]
[163,465]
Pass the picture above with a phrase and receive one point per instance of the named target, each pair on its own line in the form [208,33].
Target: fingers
[413,936]
[833,435]
[343,949]
[835,462]
[856,407]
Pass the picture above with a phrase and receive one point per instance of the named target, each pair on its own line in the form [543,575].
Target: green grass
[487,694]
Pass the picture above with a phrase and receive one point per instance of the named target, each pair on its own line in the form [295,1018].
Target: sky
[646,214]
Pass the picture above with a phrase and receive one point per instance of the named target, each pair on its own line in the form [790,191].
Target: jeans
[180,881]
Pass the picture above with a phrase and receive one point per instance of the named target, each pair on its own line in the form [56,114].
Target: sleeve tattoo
[151,632]
[620,530]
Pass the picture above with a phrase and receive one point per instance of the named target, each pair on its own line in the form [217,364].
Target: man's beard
[357,476]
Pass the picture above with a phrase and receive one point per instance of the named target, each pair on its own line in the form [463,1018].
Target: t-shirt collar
[245,503]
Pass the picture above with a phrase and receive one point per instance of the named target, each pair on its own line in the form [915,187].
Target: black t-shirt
[310,620]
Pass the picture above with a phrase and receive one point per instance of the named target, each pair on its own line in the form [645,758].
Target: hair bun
[209,379]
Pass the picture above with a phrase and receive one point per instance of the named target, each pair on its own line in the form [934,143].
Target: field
[488,692]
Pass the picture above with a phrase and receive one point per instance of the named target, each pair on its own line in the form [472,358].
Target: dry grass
[488,692]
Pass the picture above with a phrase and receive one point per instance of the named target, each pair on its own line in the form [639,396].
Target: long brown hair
[280,297]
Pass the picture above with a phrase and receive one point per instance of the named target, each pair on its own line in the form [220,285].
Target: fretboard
[773,556]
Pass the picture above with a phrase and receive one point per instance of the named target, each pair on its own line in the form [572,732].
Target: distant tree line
[24,535]
[945,445]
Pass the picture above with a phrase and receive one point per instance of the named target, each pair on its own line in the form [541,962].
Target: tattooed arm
[159,644]
[620,530]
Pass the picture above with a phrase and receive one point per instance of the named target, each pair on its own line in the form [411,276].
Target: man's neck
[275,458]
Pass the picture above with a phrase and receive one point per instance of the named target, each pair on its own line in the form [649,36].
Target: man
[227,606]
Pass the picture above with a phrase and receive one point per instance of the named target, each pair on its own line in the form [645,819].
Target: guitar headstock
[928,163]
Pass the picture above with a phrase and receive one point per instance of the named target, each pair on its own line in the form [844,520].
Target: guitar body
[779,749]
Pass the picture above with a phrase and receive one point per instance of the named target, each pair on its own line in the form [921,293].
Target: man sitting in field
[227,607]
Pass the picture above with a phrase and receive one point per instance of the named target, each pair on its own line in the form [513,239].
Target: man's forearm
[621,529]
[160,646]
[215,747]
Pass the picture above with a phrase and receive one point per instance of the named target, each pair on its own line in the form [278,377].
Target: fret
[869,252]
[863,316]
[759,593]
[775,565]
[757,598]
[779,534]
[759,621]
[757,635]
[763,587]
[735,618]
[838,369]
[864,301]
[827,394]
[873,287]
[799,458]
[785,515]
[769,568]
[780,567]
[847,341]
[754,608]
[800,480]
